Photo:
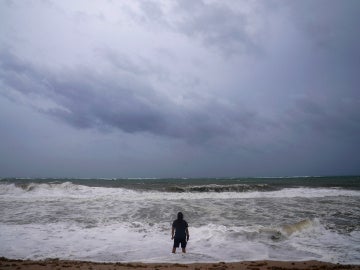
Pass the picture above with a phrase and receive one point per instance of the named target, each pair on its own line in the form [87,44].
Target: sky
[179,88]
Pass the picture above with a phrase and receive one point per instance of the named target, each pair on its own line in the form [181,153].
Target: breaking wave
[68,189]
[286,230]
[221,188]
[302,225]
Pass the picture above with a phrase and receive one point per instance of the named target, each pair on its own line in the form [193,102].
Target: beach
[245,265]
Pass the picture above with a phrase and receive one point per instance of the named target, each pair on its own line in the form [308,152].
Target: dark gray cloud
[338,119]
[87,99]
[200,87]
[217,25]
[329,24]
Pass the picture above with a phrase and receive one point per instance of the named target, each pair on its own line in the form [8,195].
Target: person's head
[180,216]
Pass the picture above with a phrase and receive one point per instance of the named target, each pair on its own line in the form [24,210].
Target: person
[180,233]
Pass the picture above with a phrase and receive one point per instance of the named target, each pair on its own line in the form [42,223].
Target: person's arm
[172,232]
[187,234]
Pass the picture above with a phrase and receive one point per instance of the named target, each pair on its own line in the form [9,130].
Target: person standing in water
[180,233]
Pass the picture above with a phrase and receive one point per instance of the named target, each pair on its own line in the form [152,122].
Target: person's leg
[183,245]
[176,245]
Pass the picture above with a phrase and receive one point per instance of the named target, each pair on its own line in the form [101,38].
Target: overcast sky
[183,88]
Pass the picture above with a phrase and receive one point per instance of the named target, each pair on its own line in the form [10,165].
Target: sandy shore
[250,265]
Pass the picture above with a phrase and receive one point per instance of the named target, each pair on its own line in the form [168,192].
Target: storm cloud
[249,88]
[117,99]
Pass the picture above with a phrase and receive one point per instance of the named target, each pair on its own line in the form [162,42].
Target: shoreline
[243,265]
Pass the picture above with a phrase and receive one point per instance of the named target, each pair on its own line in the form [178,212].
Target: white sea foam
[72,221]
[67,189]
[126,242]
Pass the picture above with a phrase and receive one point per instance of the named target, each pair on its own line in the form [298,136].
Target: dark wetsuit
[180,233]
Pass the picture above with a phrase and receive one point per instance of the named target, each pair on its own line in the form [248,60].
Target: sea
[230,219]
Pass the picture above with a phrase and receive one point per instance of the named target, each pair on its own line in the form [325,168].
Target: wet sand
[250,265]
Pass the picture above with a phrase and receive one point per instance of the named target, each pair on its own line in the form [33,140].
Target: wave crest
[287,230]
[221,188]
[298,226]
[40,188]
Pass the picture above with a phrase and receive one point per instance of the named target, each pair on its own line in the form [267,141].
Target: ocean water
[230,219]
